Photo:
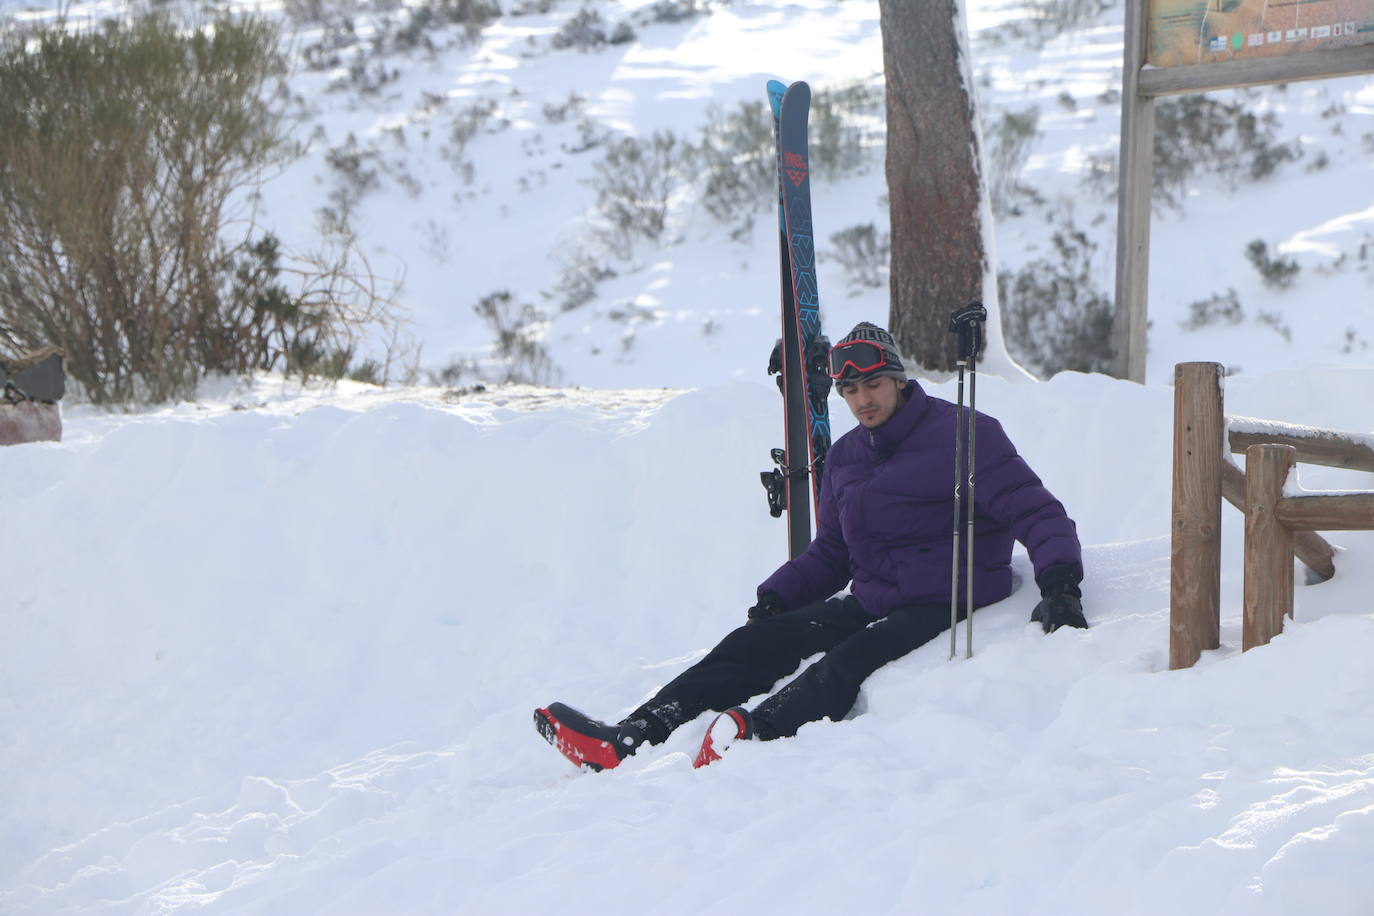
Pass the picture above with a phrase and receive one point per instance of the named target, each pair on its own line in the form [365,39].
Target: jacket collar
[885,438]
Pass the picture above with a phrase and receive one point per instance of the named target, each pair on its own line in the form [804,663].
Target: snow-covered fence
[1278,527]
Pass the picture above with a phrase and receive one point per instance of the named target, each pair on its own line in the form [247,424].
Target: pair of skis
[801,357]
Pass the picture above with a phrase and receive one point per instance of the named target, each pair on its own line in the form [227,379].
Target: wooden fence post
[1195,550]
[1268,545]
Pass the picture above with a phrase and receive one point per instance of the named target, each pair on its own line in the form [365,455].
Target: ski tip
[776,87]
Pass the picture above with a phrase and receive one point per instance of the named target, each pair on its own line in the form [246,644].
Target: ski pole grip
[967,322]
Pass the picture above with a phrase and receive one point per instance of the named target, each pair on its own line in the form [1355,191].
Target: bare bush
[863,253]
[1055,316]
[1010,140]
[585,30]
[737,162]
[1197,134]
[1276,272]
[843,125]
[519,350]
[634,183]
[123,151]
[736,157]
[1216,308]
[579,279]
[1055,17]
[675,11]
[472,15]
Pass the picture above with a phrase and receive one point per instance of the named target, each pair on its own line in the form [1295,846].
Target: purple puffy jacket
[887,513]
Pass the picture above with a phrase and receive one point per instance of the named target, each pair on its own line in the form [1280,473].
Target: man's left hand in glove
[1060,601]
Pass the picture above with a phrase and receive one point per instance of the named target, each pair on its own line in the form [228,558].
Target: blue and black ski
[801,355]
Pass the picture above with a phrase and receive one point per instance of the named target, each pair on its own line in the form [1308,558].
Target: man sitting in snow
[884,529]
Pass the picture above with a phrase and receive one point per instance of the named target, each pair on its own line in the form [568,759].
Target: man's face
[873,401]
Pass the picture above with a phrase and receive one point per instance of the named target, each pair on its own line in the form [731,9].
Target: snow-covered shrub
[671,11]
[518,347]
[318,12]
[863,252]
[366,77]
[844,125]
[735,155]
[1052,18]
[1196,135]
[1277,272]
[590,134]
[1217,307]
[479,117]
[1275,320]
[1054,316]
[634,184]
[557,114]
[585,30]
[472,15]
[1353,340]
[533,7]
[1040,21]
[1010,140]
[736,163]
[356,170]
[579,279]
[332,23]
[1199,134]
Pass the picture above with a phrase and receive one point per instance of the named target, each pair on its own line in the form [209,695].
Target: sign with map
[1208,31]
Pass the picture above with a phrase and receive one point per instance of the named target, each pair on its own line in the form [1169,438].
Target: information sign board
[1209,31]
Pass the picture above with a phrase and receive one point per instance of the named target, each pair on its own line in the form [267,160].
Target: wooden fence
[1277,527]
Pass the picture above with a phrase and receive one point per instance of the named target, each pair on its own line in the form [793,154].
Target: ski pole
[966,322]
[958,480]
[972,430]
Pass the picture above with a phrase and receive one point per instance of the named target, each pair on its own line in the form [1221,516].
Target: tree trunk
[939,260]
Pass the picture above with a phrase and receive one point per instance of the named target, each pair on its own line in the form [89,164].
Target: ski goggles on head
[856,358]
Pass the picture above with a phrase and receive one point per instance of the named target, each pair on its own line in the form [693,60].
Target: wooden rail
[1314,551]
[1277,527]
[1272,522]
[1314,446]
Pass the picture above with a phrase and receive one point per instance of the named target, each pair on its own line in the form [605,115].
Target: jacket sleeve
[822,569]
[1009,491]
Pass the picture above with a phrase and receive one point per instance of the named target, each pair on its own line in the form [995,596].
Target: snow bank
[282,659]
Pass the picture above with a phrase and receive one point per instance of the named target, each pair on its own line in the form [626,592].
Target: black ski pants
[751,659]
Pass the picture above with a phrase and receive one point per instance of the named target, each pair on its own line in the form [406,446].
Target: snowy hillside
[276,651]
[471,163]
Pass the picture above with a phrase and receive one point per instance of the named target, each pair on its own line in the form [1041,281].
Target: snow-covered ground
[276,651]
[272,655]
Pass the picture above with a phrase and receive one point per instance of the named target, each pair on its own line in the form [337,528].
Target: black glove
[769,605]
[1060,601]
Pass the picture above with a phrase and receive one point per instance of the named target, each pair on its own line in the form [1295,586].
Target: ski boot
[585,741]
[735,724]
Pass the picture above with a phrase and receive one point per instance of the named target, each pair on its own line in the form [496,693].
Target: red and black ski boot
[585,741]
[735,724]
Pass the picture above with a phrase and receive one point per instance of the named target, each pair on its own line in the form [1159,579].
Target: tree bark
[934,183]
